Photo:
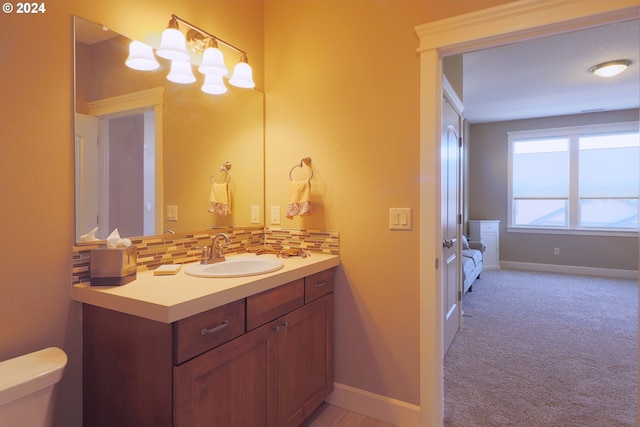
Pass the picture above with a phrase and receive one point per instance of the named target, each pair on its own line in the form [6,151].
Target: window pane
[609,213]
[529,146]
[541,168]
[614,140]
[609,166]
[540,213]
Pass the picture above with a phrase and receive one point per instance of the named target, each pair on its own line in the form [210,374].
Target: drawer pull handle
[220,327]
[320,284]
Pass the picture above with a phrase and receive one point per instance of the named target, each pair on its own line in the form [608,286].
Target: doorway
[115,160]
[508,23]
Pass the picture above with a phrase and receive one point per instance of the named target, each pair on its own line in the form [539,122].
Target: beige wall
[488,200]
[342,88]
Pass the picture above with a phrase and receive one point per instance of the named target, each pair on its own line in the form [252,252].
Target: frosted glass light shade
[141,57]
[181,72]
[242,76]
[213,84]
[611,68]
[213,62]
[173,45]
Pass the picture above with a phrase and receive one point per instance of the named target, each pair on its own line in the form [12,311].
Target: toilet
[26,387]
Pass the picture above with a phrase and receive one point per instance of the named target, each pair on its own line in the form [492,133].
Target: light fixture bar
[217,39]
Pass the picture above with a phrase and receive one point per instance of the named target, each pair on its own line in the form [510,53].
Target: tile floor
[333,416]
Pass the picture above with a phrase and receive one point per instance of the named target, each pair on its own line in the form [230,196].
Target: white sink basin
[235,267]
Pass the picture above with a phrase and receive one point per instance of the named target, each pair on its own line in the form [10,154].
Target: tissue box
[113,266]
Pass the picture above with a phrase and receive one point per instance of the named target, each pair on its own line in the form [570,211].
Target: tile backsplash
[183,248]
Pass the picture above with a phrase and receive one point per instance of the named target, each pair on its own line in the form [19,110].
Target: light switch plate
[275,214]
[172,213]
[399,218]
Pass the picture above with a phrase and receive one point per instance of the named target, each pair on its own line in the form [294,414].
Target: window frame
[572,133]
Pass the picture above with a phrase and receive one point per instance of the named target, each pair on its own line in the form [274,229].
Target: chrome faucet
[216,250]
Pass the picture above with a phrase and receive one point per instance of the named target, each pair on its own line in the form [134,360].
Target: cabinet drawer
[202,332]
[317,285]
[271,304]
[491,227]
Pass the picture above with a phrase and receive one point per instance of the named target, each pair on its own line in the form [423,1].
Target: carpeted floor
[539,349]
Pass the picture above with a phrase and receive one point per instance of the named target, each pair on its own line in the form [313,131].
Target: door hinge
[459,219]
[460,141]
[459,295]
[437,263]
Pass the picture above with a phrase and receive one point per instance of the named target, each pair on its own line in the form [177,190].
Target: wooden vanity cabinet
[305,361]
[274,372]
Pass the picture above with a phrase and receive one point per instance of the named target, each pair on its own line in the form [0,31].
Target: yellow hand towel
[299,195]
[219,200]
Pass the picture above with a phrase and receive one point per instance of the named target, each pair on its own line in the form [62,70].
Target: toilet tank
[26,387]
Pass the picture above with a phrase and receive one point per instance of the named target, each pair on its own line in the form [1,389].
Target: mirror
[161,145]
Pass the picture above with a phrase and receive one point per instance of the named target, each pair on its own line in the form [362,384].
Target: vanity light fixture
[141,57]
[610,68]
[242,74]
[173,46]
[213,84]
[181,72]
[213,60]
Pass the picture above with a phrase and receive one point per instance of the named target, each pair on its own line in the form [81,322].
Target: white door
[87,172]
[451,274]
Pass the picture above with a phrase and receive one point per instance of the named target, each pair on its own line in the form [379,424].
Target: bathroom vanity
[188,351]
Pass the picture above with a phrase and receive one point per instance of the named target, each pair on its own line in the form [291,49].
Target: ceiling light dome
[610,68]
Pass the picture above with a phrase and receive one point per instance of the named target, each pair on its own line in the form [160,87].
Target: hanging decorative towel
[299,199]
[219,200]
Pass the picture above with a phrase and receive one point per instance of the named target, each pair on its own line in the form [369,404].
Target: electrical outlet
[556,251]
[275,214]
[172,213]
[255,214]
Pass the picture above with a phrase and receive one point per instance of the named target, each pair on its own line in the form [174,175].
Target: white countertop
[174,297]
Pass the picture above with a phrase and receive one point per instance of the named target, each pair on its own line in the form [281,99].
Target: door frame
[509,23]
[141,101]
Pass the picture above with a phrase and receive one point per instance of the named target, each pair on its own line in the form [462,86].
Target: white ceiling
[549,76]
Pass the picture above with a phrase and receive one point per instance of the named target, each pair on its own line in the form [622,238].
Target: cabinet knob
[320,284]
[276,328]
[285,324]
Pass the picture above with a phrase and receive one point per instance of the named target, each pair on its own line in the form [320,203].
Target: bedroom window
[580,178]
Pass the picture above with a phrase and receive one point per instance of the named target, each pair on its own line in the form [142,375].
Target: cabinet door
[230,386]
[126,370]
[305,361]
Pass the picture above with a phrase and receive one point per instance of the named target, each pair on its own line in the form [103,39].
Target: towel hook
[306,161]
[225,167]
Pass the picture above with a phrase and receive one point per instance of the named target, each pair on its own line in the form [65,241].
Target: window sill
[574,232]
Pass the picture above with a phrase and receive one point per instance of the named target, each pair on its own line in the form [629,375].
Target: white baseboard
[570,269]
[376,406]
